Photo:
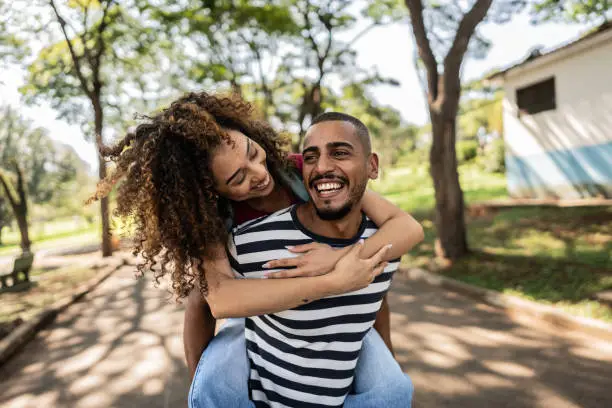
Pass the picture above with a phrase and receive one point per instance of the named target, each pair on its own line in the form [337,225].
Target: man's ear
[373,166]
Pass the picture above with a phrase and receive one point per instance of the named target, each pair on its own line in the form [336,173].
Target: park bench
[20,272]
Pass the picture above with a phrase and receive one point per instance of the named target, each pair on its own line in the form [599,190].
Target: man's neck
[345,228]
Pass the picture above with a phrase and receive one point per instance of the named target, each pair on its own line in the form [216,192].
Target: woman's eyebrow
[248,148]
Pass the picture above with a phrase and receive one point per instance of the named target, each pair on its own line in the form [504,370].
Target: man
[307,356]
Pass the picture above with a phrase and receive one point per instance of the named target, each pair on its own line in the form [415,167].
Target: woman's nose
[260,172]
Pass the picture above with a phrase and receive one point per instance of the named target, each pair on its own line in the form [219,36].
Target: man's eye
[309,159]
[340,154]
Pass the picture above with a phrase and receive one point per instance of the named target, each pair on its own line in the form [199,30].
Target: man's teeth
[329,186]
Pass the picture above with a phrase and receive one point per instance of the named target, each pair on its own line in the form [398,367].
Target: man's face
[336,168]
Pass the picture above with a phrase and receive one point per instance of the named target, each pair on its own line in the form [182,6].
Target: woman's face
[240,169]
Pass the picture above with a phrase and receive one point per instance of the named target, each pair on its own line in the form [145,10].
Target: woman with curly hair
[183,199]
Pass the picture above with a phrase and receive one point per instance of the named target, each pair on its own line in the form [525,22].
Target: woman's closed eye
[240,179]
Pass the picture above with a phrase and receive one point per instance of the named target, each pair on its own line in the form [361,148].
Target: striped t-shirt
[306,356]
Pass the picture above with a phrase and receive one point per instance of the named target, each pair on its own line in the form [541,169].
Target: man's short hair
[361,130]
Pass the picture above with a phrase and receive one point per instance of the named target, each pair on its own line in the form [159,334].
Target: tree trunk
[449,213]
[22,221]
[107,249]
[19,206]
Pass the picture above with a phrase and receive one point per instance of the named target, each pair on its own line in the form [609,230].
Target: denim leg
[222,375]
[379,380]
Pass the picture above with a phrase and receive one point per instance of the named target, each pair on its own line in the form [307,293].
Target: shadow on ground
[122,347]
[460,353]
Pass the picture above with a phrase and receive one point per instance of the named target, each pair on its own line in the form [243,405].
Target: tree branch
[454,58]
[101,44]
[308,25]
[76,60]
[420,35]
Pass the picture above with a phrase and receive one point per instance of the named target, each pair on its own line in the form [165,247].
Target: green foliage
[47,165]
[574,11]
[113,55]
[467,150]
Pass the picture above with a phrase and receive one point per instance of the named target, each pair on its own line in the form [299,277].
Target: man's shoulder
[281,219]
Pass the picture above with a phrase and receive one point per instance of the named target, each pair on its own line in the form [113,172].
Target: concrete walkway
[122,347]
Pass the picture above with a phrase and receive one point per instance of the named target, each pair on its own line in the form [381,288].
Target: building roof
[538,55]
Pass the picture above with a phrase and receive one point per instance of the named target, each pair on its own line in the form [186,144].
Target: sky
[388,48]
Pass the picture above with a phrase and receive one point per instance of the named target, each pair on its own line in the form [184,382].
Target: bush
[466,150]
[494,160]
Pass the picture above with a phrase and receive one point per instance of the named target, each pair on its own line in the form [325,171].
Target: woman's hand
[317,259]
[353,273]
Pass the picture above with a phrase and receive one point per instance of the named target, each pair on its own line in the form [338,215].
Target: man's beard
[337,214]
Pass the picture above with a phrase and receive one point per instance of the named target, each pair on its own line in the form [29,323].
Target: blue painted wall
[574,173]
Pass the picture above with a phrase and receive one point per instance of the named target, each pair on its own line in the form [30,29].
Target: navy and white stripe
[306,356]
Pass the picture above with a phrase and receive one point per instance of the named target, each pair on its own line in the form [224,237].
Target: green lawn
[558,256]
[82,236]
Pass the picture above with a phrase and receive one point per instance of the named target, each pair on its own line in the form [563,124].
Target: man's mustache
[327,176]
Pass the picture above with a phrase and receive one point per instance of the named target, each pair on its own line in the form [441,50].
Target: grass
[557,256]
[83,236]
[47,287]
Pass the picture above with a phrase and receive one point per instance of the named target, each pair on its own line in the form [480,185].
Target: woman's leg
[379,380]
[222,375]
[198,329]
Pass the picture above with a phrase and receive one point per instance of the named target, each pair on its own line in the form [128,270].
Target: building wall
[566,152]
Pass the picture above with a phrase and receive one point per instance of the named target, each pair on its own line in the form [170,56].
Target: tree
[444,33]
[100,57]
[279,54]
[322,52]
[16,197]
[32,169]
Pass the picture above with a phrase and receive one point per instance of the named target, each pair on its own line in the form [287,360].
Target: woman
[182,211]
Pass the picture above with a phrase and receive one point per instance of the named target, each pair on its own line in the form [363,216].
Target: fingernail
[266,265]
[265,276]
[389,246]
[289,246]
[360,241]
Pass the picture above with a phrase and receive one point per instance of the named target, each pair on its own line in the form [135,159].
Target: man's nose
[324,165]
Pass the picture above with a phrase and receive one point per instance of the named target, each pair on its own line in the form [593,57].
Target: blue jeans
[221,378]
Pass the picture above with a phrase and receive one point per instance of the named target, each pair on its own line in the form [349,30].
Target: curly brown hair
[168,191]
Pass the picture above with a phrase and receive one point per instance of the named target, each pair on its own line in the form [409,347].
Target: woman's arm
[395,227]
[231,297]
[198,329]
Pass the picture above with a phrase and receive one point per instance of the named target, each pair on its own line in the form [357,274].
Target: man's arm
[383,324]
[198,329]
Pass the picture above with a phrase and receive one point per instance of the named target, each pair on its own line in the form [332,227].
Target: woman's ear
[373,166]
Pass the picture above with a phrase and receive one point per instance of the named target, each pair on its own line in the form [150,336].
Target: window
[538,97]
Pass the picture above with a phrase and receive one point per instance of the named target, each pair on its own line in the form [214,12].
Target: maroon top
[244,212]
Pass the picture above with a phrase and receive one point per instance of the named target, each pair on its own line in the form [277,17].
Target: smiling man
[306,356]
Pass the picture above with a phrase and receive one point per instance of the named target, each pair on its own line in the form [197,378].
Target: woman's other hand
[353,273]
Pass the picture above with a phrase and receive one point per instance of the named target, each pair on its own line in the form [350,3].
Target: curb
[515,305]
[26,331]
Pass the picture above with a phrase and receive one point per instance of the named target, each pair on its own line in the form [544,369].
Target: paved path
[121,347]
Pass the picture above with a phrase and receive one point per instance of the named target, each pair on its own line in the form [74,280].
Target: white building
[557,116]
